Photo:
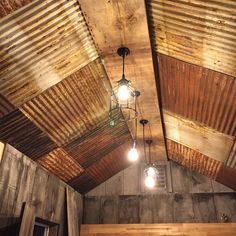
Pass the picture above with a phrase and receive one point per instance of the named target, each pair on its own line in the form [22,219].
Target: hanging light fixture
[124,96]
[150,171]
[133,153]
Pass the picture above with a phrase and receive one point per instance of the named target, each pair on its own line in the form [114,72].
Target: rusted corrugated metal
[72,107]
[110,164]
[198,94]
[5,106]
[17,130]
[40,46]
[9,6]
[61,164]
[199,32]
[231,161]
[83,183]
[193,159]
[98,143]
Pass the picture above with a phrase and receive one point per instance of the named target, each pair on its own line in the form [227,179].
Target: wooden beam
[216,229]
[124,23]
[198,137]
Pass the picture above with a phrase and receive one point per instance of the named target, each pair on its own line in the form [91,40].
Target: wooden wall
[190,197]
[23,180]
[159,229]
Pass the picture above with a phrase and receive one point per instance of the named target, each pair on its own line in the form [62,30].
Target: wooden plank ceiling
[55,89]
[195,48]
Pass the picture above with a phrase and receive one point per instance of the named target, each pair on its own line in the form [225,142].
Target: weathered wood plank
[72,216]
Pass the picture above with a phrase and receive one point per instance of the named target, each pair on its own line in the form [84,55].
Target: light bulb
[151,171]
[123,92]
[133,155]
[149,181]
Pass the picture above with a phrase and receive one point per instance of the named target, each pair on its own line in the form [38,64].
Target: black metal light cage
[128,107]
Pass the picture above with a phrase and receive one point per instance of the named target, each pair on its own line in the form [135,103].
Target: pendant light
[133,154]
[150,171]
[124,95]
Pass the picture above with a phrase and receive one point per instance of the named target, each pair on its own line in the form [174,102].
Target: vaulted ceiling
[58,64]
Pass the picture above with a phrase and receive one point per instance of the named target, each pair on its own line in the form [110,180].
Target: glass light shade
[123,92]
[152,171]
[149,181]
[133,155]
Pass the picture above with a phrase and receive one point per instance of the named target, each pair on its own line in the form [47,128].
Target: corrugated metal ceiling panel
[72,107]
[93,146]
[17,130]
[193,159]
[40,47]
[198,94]
[199,32]
[61,164]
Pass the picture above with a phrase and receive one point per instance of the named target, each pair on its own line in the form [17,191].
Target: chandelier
[124,95]
[150,171]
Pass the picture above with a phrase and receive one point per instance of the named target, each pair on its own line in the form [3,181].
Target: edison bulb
[149,181]
[151,171]
[133,155]
[123,93]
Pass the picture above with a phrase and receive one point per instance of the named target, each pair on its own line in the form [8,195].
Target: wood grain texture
[159,229]
[124,23]
[193,159]
[197,137]
[61,164]
[42,46]
[72,213]
[22,180]
[195,32]
[73,107]
[17,130]
[27,221]
[198,94]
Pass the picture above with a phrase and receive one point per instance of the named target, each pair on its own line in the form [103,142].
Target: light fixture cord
[144,145]
[123,74]
[135,131]
[149,153]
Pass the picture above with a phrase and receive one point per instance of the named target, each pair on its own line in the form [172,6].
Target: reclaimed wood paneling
[199,32]
[60,163]
[159,229]
[124,23]
[40,47]
[17,130]
[198,94]
[27,221]
[193,159]
[198,137]
[72,213]
[72,107]
[22,180]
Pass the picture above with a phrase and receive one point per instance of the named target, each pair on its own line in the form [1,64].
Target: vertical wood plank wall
[22,180]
